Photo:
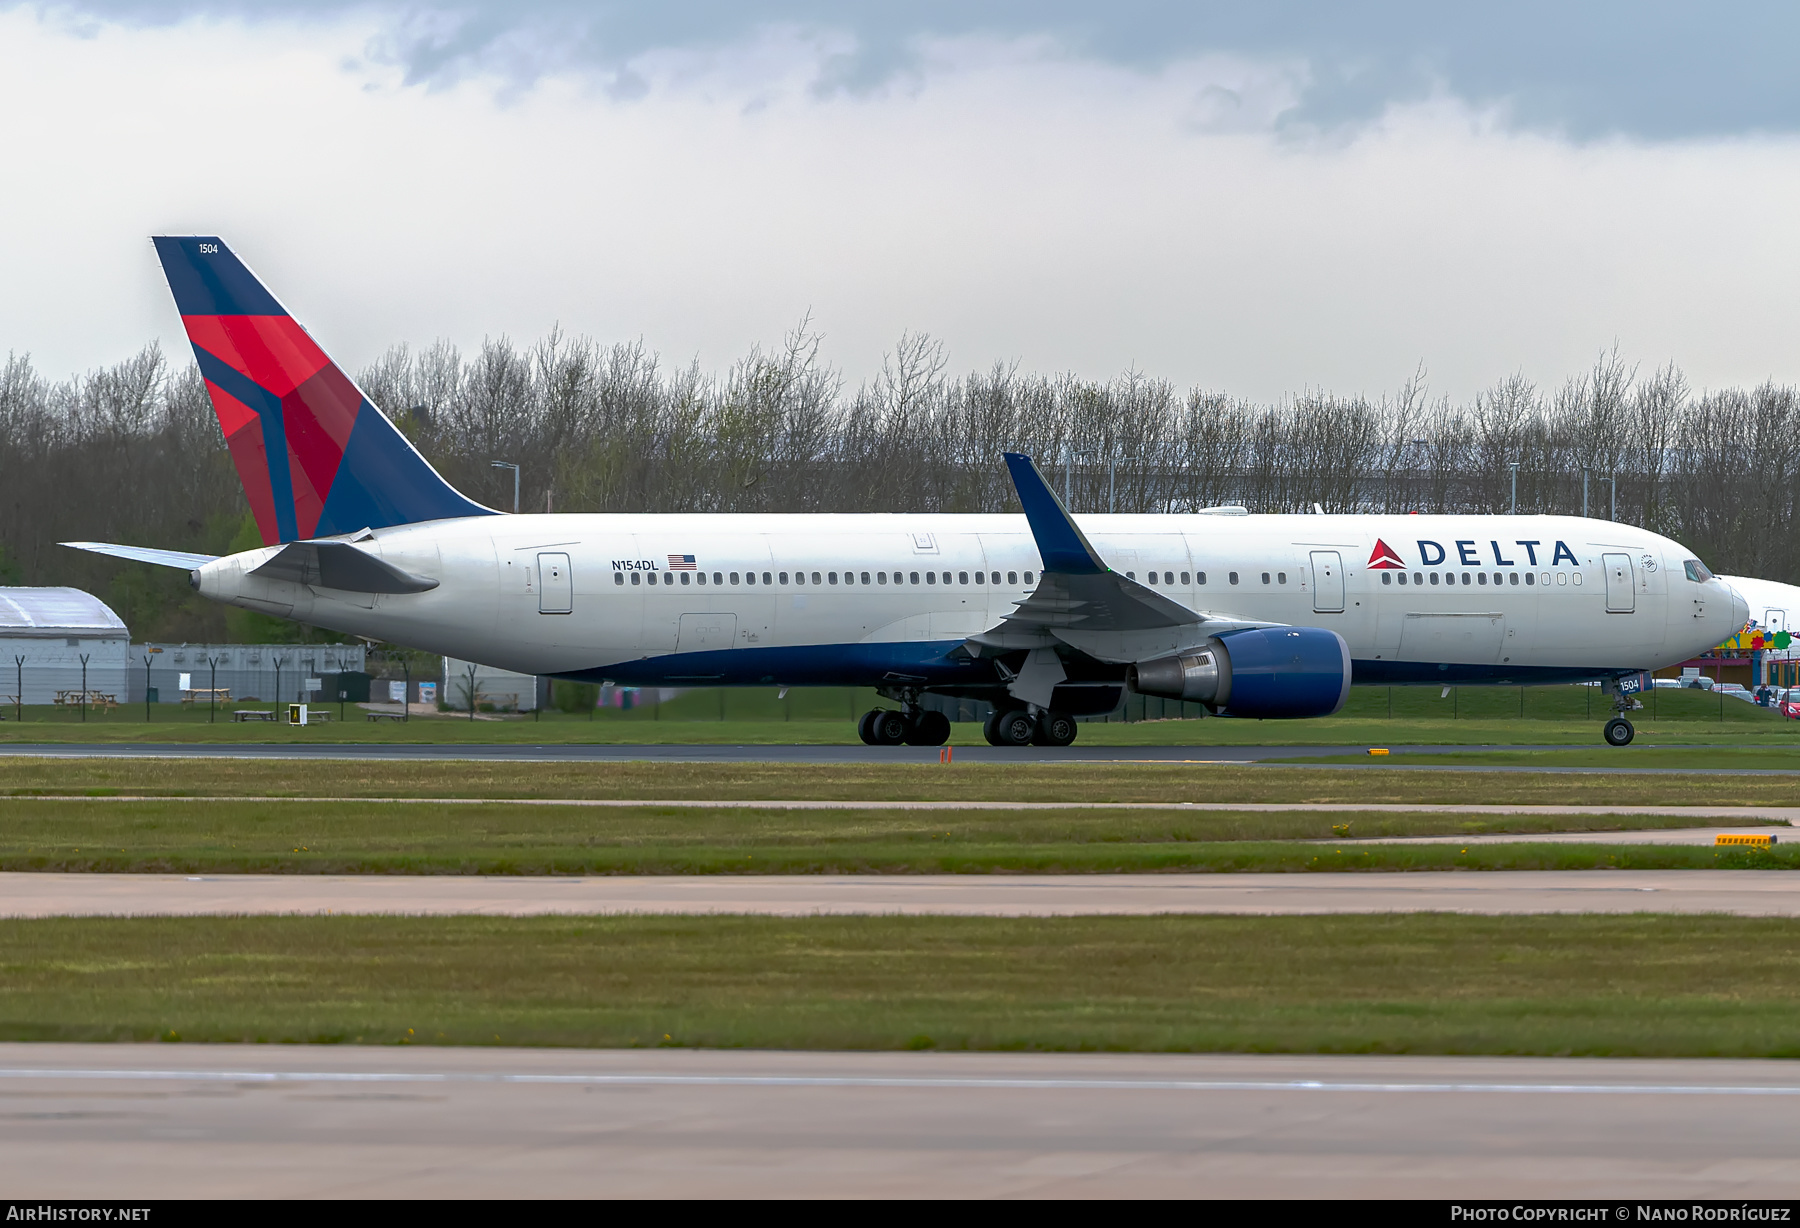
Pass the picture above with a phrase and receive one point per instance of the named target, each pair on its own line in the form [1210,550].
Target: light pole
[1112,485]
[212,683]
[1614,479]
[84,661]
[1584,498]
[1515,487]
[515,469]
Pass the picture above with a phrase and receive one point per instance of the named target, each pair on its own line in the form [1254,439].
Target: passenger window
[832,576]
[1515,578]
[699,577]
[1281,577]
[1403,578]
[881,577]
[1028,577]
[635,578]
[1233,577]
[799,577]
[618,577]
[1418,577]
[1466,579]
[1012,577]
[718,578]
[1575,577]
[749,577]
[1562,577]
[1169,577]
[931,577]
[684,578]
[1544,578]
[1387,577]
[815,577]
[1131,575]
[1184,577]
[767,579]
[865,577]
[734,577]
[915,577]
[1265,577]
[1199,577]
[784,578]
[1483,576]
[1434,577]
[962,577]
[1531,577]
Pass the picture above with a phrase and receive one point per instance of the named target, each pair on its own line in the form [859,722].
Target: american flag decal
[681,562]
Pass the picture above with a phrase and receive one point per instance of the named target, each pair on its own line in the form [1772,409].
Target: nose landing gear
[1618,730]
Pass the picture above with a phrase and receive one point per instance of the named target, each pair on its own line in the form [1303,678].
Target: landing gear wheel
[931,729]
[990,728]
[865,728]
[1619,732]
[1011,728]
[888,728]
[1054,729]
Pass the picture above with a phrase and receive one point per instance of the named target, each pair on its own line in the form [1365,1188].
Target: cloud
[1655,69]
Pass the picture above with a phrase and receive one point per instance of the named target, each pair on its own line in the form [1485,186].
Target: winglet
[1060,541]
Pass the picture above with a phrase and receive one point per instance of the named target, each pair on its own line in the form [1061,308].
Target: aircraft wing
[1082,602]
[144,554]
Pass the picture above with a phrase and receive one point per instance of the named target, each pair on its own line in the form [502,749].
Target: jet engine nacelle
[1271,672]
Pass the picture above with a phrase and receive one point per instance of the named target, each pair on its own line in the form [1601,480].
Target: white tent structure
[44,635]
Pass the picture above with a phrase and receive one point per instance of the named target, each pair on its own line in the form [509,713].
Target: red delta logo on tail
[315,457]
[1383,558]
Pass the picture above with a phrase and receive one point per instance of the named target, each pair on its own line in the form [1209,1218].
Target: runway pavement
[1739,892]
[1761,816]
[171,1121]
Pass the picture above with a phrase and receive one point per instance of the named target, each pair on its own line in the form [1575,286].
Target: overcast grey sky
[1255,198]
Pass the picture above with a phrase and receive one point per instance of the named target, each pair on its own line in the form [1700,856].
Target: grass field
[377,838]
[1629,985]
[1066,782]
[1417,715]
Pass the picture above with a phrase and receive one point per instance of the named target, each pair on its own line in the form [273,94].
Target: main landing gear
[1019,727]
[915,727]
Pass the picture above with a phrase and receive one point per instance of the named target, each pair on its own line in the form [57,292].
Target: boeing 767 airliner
[1046,616]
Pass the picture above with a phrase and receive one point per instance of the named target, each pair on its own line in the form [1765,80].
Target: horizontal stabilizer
[144,554]
[341,566]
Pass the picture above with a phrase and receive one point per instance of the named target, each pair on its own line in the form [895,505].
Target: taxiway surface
[836,754]
[1755,893]
[170,1121]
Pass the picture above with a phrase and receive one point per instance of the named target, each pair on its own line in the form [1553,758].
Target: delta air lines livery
[1047,616]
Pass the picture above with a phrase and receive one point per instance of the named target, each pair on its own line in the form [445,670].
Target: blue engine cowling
[1271,672]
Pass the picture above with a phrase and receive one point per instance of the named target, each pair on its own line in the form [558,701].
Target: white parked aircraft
[1047,616]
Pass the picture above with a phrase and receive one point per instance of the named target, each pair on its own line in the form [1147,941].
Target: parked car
[1698,682]
[1734,690]
[1787,702]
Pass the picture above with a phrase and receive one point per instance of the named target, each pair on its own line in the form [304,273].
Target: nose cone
[1740,611]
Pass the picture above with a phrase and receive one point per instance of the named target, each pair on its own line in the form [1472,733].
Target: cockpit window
[1696,571]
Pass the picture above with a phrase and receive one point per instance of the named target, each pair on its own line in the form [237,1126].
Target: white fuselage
[803,599]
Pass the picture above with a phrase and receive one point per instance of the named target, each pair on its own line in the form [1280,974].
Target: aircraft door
[706,632]
[556,588]
[1621,584]
[1328,582]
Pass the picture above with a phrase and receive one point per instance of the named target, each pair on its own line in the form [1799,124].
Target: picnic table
[254,714]
[91,699]
[206,694]
[386,716]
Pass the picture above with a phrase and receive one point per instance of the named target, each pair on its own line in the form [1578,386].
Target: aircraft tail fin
[316,457]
